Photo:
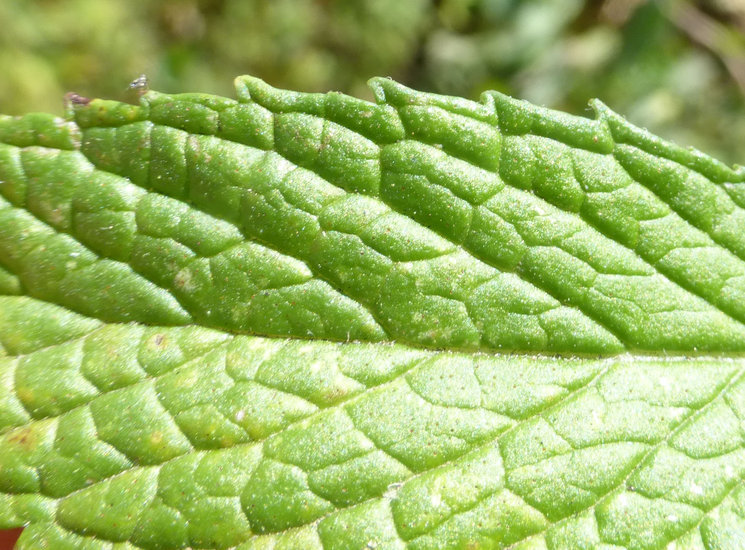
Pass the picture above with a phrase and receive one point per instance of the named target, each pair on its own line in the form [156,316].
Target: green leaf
[306,321]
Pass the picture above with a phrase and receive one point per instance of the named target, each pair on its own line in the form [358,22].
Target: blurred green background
[676,67]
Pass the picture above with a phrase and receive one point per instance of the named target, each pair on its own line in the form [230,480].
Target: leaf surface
[309,321]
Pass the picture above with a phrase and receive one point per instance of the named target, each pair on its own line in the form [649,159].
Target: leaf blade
[500,450]
[141,243]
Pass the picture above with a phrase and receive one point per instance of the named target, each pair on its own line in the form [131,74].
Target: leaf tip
[386,90]
[246,86]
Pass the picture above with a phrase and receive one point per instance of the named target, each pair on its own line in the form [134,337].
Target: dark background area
[676,67]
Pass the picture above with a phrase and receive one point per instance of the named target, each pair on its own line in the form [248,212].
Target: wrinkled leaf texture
[306,321]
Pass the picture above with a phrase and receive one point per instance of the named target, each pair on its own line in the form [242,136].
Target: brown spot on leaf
[8,538]
[24,438]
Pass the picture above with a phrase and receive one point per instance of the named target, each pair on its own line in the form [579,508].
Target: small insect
[71,98]
[140,85]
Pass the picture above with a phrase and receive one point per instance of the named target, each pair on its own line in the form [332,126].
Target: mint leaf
[308,321]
